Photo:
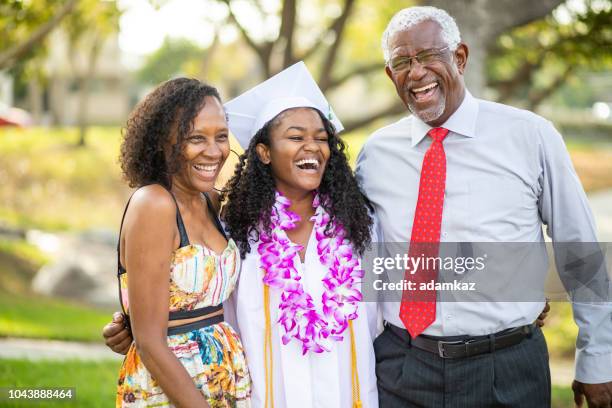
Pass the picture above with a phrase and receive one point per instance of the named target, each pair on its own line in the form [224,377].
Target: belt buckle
[441,344]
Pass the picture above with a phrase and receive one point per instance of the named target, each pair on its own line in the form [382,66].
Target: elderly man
[462,169]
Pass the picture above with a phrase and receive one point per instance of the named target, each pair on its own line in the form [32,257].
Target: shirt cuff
[593,369]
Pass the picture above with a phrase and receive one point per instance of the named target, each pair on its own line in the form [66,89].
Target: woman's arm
[150,235]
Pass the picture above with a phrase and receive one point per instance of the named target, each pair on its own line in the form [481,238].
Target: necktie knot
[438,134]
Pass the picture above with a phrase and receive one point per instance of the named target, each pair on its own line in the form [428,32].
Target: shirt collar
[462,121]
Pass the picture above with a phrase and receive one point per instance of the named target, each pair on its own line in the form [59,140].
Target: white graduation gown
[306,381]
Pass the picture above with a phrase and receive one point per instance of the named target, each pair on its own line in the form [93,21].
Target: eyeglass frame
[438,52]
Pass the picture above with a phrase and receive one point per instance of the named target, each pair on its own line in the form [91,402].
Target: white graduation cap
[293,87]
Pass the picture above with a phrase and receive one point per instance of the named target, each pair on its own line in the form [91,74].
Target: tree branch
[287,29]
[263,51]
[394,108]
[494,16]
[538,96]
[8,57]
[362,70]
[315,47]
[330,59]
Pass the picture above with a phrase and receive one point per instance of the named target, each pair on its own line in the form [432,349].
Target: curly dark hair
[174,104]
[250,193]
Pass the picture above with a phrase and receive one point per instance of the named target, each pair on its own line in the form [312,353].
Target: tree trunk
[482,21]
[35,96]
[85,90]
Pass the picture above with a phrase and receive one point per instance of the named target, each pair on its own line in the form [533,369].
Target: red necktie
[418,307]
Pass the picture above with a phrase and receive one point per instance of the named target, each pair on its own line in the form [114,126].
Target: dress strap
[180,224]
[120,268]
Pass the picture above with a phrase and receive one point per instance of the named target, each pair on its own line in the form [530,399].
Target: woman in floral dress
[176,267]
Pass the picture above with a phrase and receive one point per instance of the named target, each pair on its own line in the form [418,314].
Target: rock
[84,269]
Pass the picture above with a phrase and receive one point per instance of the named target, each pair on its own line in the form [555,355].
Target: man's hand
[597,395]
[116,336]
[543,315]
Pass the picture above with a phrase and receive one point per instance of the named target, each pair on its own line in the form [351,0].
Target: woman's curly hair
[251,193]
[146,156]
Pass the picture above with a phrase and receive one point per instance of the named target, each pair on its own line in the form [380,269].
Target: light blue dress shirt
[508,172]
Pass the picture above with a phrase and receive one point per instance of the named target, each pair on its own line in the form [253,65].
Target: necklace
[299,318]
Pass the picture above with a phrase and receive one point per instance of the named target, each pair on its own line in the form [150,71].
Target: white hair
[408,17]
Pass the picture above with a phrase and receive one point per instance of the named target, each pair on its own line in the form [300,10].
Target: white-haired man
[462,169]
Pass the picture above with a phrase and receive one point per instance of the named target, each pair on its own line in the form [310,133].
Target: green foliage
[173,58]
[560,330]
[18,19]
[532,62]
[19,262]
[46,183]
[95,382]
[23,250]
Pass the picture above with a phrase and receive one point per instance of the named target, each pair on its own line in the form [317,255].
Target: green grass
[35,316]
[562,397]
[95,382]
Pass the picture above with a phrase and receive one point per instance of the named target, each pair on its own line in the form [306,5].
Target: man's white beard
[430,114]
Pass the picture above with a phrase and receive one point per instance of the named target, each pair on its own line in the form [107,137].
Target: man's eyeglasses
[402,63]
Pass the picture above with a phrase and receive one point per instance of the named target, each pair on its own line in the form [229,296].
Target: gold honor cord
[268,363]
[354,373]
[268,360]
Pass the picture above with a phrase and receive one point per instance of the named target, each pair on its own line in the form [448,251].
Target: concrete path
[562,371]
[15,348]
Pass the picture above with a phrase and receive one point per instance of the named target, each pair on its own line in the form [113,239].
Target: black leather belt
[452,347]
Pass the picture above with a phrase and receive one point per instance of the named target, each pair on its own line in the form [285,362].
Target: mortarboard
[293,87]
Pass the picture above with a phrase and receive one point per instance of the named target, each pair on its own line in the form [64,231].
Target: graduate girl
[301,223]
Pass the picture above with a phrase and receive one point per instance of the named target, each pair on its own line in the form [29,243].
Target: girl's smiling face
[298,152]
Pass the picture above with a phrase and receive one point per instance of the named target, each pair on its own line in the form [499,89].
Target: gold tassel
[268,360]
[354,373]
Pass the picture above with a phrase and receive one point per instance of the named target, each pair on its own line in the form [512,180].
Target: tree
[87,28]
[24,29]
[481,22]
[172,58]
[531,62]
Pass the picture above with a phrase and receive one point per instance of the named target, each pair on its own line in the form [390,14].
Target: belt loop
[529,330]
[492,343]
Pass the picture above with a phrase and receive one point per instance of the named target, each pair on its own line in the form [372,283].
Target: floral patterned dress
[212,355]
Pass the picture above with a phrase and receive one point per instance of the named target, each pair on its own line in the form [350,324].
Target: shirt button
[445,234]
[449,317]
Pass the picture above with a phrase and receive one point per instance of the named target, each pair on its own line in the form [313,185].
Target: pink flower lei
[299,318]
